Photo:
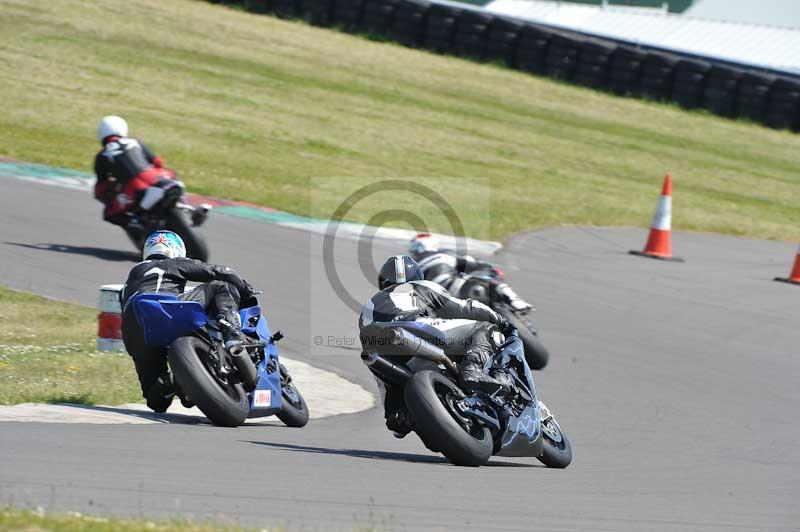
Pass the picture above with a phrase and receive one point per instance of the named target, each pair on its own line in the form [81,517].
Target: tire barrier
[288,8]
[658,70]
[347,13]
[378,16]
[502,40]
[109,320]
[622,68]
[783,109]
[753,95]
[593,63]
[562,56]
[626,70]
[410,18]
[320,12]
[470,35]
[689,82]
[440,28]
[532,47]
[721,86]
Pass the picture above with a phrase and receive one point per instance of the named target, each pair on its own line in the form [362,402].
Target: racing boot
[509,296]
[186,401]
[200,214]
[400,423]
[160,394]
[230,325]
[473,376]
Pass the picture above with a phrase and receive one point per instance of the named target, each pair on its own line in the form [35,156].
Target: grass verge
[48,355]
[12,520]
[256,108]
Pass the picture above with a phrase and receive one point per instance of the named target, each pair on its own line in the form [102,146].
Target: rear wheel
[223,401]
[431,398]
[294,411]
[196,247]
[137,238]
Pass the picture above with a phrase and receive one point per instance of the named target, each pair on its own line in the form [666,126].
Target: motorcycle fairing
[265,399]
[164,318]
[523,433]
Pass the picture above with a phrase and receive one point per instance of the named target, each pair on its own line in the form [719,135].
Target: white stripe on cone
[663,217]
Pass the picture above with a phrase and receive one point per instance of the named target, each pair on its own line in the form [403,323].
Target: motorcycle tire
[196,247]
[536,353]
[426,395]
[294,411]
[226,406]
[137,238]
[556,451]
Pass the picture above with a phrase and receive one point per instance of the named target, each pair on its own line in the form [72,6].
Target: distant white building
[782,13]
[711,28]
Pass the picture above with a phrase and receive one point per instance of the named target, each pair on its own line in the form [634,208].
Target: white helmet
[164,243]
[423,243]
[112,125]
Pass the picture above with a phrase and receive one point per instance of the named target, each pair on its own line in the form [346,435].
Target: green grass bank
[256,108]
[48,355]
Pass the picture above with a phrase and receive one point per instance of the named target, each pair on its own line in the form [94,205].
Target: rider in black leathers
[167,273]
[443,266]
[472,329]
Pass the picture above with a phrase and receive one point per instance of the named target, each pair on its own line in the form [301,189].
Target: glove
[248,290]
[506,327]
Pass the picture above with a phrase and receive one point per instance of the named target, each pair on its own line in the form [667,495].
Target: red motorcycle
[158,204]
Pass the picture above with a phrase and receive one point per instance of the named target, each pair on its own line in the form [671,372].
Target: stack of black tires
[604,64]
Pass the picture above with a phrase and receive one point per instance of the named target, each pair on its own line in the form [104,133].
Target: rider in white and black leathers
[442,266]
[470,326]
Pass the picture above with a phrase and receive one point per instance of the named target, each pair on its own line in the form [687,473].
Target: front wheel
[536,353]
[431,398]
[196,247]
[294,411]
[556,452]
[224,402]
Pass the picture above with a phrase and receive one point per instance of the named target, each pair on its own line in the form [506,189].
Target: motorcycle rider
[442,266]
[125,167]
[165,270]
[471,328]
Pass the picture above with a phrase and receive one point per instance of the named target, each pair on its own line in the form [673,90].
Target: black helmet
[399,269]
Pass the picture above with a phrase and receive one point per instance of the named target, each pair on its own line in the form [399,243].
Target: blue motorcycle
[466,426]
[227,387]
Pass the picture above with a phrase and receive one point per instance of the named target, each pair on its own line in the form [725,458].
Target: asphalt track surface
[677,384]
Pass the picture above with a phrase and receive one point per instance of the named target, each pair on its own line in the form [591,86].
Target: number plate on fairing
[262,398]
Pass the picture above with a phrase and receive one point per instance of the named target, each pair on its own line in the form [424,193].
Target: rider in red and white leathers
[125,168]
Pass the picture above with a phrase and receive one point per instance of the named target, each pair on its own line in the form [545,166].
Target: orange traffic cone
[659,243]
[794,277]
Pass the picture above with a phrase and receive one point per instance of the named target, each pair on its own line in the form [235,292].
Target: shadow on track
[379,455]
[114,255]
[144,414]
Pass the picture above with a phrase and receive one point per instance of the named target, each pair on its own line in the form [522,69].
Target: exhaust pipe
[415,346]
[381,366]
[245,367]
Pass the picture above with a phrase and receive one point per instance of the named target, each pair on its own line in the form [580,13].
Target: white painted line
[349,230]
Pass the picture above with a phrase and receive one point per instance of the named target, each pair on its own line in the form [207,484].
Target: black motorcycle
[162,207]
[481,286]
[466,426]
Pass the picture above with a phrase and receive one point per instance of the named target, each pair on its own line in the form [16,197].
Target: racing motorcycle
[466,426]
[481,286]
[227,387]
[162,207]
